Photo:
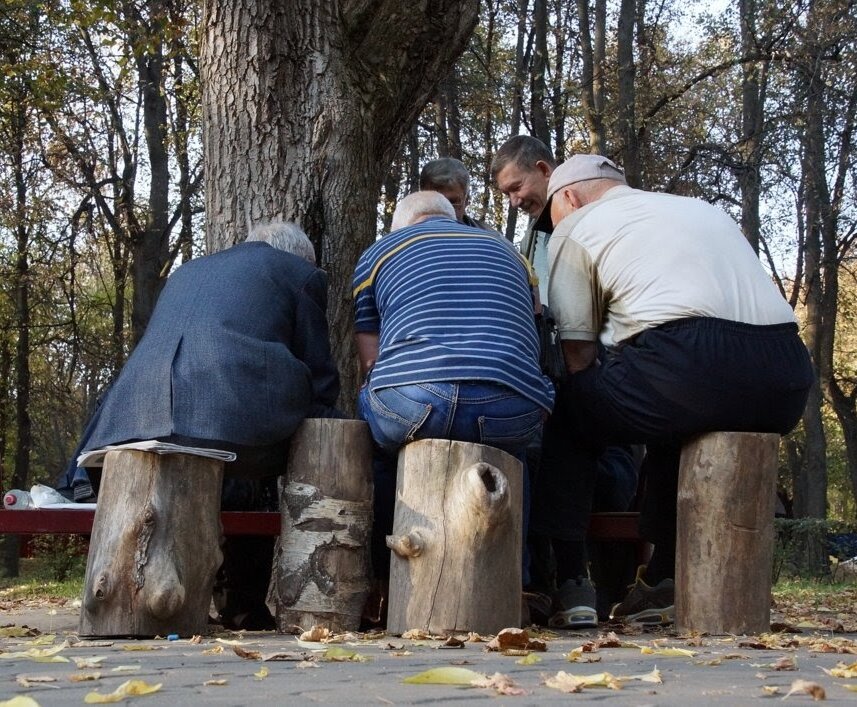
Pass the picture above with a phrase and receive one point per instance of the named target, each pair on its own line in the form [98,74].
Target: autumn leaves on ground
[807,619]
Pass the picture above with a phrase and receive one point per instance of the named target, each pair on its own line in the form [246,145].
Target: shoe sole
[663,616]
[578,617]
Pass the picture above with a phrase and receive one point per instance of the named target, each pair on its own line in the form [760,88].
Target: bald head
[419,206]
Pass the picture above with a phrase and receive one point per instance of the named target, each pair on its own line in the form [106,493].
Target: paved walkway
[728,671]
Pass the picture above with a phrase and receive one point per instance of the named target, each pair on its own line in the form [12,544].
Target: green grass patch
[37,581]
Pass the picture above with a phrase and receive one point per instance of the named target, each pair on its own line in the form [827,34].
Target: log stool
[155,546]
[725,533]
[456,563]
[321,564]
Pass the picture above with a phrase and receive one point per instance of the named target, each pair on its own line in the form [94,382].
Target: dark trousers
[680,379]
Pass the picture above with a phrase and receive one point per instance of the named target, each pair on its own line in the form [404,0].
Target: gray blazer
[237,351]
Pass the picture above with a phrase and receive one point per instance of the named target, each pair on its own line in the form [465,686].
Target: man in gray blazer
[235,356]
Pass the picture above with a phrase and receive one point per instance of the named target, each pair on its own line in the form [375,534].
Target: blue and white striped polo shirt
[450,303]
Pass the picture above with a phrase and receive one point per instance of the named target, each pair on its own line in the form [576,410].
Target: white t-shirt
[633,260]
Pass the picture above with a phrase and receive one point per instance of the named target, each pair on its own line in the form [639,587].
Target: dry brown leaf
[786,662]
[755,645]
[283,656]
[247,655]
[84,677]
[509,638]
[579,655]
[195,639]
[452,642]
[30,680]
[216,650]
[807,687]
[92,662]
[473,637]
[315,634]
[416,634]
[771,689]
[610,640]
[503,684]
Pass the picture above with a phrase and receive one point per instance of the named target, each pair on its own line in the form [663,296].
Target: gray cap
[579,168]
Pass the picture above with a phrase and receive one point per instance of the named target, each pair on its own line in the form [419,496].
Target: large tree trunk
[305,104]
[592,78]
[627,122]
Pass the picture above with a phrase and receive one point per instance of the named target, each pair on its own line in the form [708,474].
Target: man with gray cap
[699,338]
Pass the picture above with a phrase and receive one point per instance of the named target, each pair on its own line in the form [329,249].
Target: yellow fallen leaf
[669,652]
[786,662]
[141,647]
[851,687]
[15,632]
[654,676]
[129,688]
[92,662]
[215,683]
[444,676]
[213,651]
[195,639]
[530,659]
[40,655]
[338,655]
[261,673]
[84,677]
[227,642]
[19,701]
[842,671]
[582,655]
[46,639]
[416,634]
[566,682]
[125,668]
[771,689]
[810,688]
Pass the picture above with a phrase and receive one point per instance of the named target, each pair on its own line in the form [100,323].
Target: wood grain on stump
[155,546]
[725,533]
[456,563]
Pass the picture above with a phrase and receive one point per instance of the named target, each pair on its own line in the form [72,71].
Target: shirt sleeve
[366,316]
[573,290]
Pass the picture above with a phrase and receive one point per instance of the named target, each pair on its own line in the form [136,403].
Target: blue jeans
[486,413]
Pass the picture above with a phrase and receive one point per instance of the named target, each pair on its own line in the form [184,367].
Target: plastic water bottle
[17,500]
[44,496]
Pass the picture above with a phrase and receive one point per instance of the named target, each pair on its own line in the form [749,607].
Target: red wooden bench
[602,526]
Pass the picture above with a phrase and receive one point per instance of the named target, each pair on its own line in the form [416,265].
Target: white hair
[285,236]
[419,206]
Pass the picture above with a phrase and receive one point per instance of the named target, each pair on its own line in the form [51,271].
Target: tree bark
[627,123]
[592,78]
[305,104]
[538,71]
[321,565]
[155,546]
[456,563]
[725,533]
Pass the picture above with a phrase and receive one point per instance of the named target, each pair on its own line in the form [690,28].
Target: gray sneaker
[645,604]
[575,602]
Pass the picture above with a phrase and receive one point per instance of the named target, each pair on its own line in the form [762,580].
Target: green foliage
[801,548]
[59,557]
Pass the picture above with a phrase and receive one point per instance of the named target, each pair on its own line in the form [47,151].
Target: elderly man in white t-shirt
[700,339]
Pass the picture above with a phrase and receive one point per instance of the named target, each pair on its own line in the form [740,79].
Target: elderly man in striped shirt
[446,340]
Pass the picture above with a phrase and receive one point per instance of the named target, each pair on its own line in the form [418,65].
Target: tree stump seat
[321,561]
[155,546]
[725,533]
[456,542]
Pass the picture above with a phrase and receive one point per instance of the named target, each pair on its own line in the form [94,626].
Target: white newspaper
[95,457]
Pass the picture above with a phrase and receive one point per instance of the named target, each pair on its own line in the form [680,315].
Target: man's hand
[367,351]
[578,355]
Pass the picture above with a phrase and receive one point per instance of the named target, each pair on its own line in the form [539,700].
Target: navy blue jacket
[237,350]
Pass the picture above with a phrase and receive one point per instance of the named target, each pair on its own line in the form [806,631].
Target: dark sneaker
[539,607]
[645,604]
[575,605]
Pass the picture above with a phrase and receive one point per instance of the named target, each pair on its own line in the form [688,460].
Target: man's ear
[545,169]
